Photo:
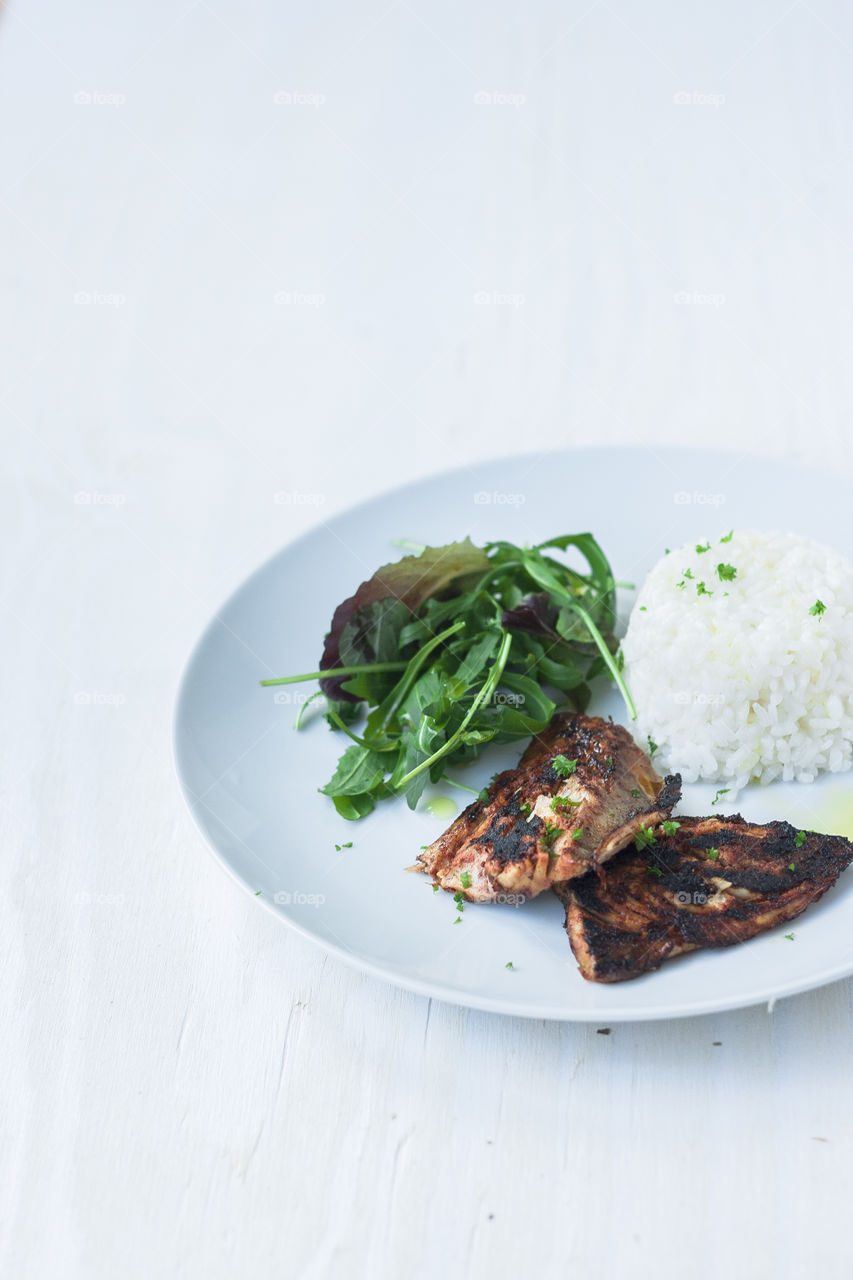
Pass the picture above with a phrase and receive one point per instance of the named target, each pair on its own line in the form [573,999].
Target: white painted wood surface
[212,297]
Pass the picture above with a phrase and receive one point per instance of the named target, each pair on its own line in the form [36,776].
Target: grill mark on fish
[651,904]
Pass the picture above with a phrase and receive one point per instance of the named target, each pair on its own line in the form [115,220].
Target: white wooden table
[317,251]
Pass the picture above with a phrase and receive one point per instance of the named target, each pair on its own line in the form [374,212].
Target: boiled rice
[744,684]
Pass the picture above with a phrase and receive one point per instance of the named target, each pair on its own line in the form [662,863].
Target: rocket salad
[442,652]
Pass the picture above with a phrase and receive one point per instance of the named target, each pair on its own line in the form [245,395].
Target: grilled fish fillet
[713,882]
[538,827]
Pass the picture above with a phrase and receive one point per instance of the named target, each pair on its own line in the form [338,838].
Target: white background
[640,232]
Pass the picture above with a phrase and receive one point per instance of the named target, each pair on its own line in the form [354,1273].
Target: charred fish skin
[581,791]
[713,882]
[458,859]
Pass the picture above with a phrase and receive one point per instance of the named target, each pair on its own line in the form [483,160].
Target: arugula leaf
[354,807]
[477,656]
[359,770]
[532,708]
[438,655]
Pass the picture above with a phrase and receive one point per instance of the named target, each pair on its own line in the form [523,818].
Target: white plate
[251,781]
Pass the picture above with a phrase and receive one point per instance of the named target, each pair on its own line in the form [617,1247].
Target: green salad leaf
[441,653]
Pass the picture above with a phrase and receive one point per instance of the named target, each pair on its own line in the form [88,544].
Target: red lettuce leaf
[411,581]
[535,613]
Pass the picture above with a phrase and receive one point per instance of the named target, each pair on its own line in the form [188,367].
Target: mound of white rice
[732,675]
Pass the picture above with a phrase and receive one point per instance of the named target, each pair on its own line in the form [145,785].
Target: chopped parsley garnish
[637,793]
[818,609]
[653,746]
[700,548]
[435,888]
[654,871]
[609,762]
[465,879]
[723,791]
[702,590]
[726,572]
[713,854]
[790,937]
[508,964]
[524,808]
[549,835]
[791,866]
[564,767]
[728,536]
[800,839]
[348,845]
[564,802]
[681,583]
[670,826]
[688,573]
[483,795]
[644,838]
[576,835]
[258,892]
[642,608]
